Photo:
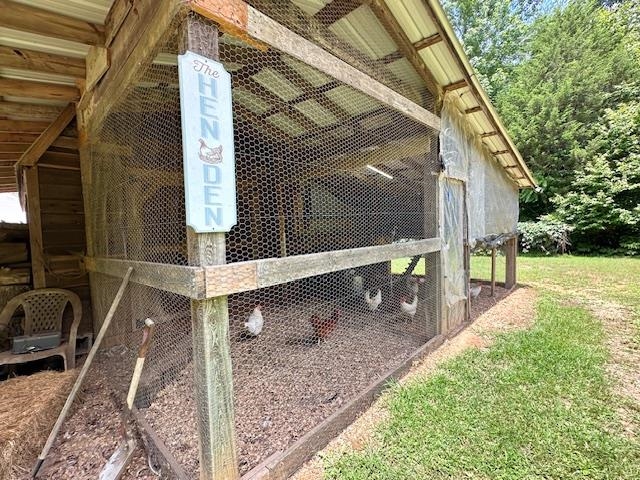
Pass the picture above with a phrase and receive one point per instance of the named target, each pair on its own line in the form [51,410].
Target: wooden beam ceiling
[428,42]
[22,126]
[43,22]
[29,111]
[19,142]
[45,91]
[33,61]
[46,138]
[395,30]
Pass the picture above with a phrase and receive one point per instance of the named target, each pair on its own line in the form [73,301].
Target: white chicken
[374,302]
[474,290]
[414,284]
[255,322]
[409,308]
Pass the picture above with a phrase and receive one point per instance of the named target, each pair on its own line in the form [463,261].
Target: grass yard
[553,402]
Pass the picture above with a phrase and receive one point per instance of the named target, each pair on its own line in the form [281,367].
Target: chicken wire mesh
[320,167]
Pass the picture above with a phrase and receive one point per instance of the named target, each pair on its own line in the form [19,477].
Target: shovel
[119,460]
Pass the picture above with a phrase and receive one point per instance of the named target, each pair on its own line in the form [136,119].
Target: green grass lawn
[538,404]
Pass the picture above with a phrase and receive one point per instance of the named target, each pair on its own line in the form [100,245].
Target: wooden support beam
[428,42]
[136,40]
[46,138]
[34,220]
[490,134]
[406,47]
[501,152]
[258,26]
[218,453]
[98,62]
[245,276]
[182,280]
[30,19]
[46,91]
[511,272]
[270,32]
[211,281]
[455,86]
[29,111]
[115,18]
[469,111]
[493,271]
[22,126]
[33,61]
[21,141]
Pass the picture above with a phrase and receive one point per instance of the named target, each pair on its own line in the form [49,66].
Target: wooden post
[210,322]
[511,252]
[493,271]
[433,269]
[35,226]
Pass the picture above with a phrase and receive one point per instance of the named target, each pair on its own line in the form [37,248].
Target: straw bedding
[29,407]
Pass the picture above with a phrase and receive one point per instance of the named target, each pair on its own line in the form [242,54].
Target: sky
[10,210]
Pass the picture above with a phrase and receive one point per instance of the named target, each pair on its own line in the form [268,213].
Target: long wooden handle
[83,372]
[147,334]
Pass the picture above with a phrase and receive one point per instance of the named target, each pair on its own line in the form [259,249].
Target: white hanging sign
[207,144]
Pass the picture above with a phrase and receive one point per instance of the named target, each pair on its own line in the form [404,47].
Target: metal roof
[420,20]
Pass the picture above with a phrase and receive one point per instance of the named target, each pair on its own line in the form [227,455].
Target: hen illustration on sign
[207,144]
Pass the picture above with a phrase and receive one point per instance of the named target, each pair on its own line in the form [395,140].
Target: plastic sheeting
[471,173]
[492,197]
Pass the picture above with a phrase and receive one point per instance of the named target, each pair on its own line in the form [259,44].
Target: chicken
[474,290]
[414,284]
[323,327]
[208,154]
[255,322]
[409,308]
[374,302]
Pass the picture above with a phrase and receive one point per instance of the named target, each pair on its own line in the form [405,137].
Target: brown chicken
[324,326]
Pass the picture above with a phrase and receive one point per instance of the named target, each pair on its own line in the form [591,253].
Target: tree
[604,204]
[580,64]
[495,35]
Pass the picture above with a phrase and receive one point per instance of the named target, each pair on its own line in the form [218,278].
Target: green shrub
[546,235]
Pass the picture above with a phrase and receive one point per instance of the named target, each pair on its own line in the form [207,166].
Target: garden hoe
[119,460]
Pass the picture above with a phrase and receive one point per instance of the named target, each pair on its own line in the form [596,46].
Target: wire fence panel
[320,167]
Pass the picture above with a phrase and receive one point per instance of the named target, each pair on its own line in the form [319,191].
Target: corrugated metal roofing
[419,19]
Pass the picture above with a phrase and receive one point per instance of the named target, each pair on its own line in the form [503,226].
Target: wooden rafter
[490,134]
[406,47]
[43,22]
[20,142]
[455,86]
[46,138]
[115,18]
[30,111]
[46,91]
[428,41]
[335,10]
[33,61]
[22,126]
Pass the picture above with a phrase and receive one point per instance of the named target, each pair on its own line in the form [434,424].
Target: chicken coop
[294,188]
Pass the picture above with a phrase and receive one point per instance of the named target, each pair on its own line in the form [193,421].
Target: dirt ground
[288,404]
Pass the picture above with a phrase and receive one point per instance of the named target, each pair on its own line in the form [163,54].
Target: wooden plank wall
[63,229]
